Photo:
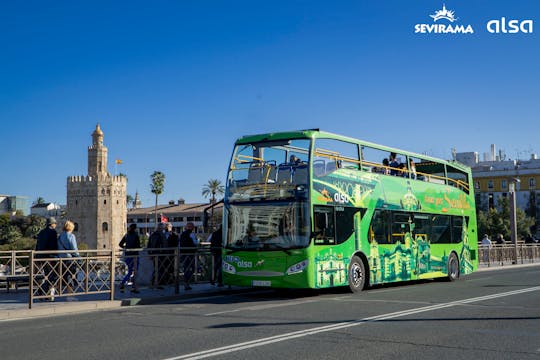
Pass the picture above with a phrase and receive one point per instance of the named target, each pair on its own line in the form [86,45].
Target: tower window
[104,202]
[105,227]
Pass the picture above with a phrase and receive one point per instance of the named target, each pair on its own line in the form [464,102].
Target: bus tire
[453,267]
[357,274]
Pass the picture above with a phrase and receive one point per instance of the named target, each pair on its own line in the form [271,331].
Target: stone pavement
[14,305]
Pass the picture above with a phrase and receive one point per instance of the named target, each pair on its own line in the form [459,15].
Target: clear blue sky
[174,83]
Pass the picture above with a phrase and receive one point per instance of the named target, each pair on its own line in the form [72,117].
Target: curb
[58,309]
[506,267]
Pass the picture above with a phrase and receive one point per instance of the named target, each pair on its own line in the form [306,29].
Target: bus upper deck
[279,165]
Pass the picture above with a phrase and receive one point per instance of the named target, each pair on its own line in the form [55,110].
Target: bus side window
[457,229]
[323,232]
[400,226]
[378,230]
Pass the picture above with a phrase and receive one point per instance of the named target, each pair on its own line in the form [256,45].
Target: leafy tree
[497,221]
[10,234]
[213,188]
[157,186]
[129,200]
[39,200]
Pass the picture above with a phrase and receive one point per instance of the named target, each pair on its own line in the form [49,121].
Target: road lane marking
[343,325]
[263,307]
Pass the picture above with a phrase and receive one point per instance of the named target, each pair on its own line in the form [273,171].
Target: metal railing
[500,255]
[49,274]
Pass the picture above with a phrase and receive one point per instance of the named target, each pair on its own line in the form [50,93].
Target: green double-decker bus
[312,209]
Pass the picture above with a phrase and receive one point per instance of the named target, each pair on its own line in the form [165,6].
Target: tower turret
[97,154]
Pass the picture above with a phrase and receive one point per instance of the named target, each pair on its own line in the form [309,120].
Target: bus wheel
[453,267]
[357,274]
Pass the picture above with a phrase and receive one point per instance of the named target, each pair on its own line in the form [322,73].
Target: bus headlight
[228,268]
[297,268]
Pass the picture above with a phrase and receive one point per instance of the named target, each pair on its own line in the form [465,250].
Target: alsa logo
[509,26]
[438,28]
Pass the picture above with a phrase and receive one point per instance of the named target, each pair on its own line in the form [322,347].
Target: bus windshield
[269,170]
[275,226]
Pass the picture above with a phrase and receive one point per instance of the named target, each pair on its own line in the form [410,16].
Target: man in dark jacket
[188,249]
[47,240]
[216,245]
[130,240]
[157,240]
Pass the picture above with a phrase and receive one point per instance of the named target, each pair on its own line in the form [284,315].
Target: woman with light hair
[67,241]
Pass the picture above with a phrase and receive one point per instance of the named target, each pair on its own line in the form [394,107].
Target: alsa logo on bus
[239,262]
[341,198]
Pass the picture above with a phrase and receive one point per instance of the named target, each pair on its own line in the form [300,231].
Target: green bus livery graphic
[310,209]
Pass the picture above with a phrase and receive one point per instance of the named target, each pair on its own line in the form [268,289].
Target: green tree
[129,200]
[212,189]
[10,234]
[157,186]
[39,200]
[497,221]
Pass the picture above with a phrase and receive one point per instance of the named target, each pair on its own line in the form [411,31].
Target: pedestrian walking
[47,240]
[188,250]
[68,241]
[129,242]
[157,241]
[216,246]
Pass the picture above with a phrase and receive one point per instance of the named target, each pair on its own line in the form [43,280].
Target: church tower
[96,203]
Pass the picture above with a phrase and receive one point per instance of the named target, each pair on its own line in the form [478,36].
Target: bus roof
[316,133]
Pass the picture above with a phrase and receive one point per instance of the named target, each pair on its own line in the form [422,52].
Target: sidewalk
[14,305]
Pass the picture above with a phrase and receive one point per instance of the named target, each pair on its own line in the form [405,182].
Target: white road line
[263,307]
[297,334]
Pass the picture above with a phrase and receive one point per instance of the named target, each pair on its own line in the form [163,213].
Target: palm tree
[158,183]
[213,188]
[39,200]
[129,200]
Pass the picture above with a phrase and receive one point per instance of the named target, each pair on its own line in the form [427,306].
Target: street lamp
[513,222]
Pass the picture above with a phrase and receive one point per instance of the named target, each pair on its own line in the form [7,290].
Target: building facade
[178,214]
[11,204]
[495,176]
[47,210]
[96,203]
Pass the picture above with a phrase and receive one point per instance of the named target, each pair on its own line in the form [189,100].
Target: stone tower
[96,203]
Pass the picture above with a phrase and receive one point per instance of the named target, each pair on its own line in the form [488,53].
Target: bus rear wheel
[453,267]
[357,274]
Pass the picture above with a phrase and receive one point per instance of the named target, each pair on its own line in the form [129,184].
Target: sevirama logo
[436,27]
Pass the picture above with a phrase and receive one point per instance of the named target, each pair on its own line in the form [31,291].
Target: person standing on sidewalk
[216,245]
[188,249]
[47,240]
[157,241]
[130,241]
[68,241]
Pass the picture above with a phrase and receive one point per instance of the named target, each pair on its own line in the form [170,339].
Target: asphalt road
[486,315]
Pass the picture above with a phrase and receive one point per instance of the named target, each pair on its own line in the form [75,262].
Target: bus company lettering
[244,264]
[341,198]
[239,262]
[510,26]
[460,203]
[443,14]
[442,29]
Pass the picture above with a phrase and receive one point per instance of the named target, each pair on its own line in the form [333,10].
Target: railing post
[31,279]
[113,272]
[176,271]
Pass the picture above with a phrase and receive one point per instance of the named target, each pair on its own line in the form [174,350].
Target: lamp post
[513,222]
